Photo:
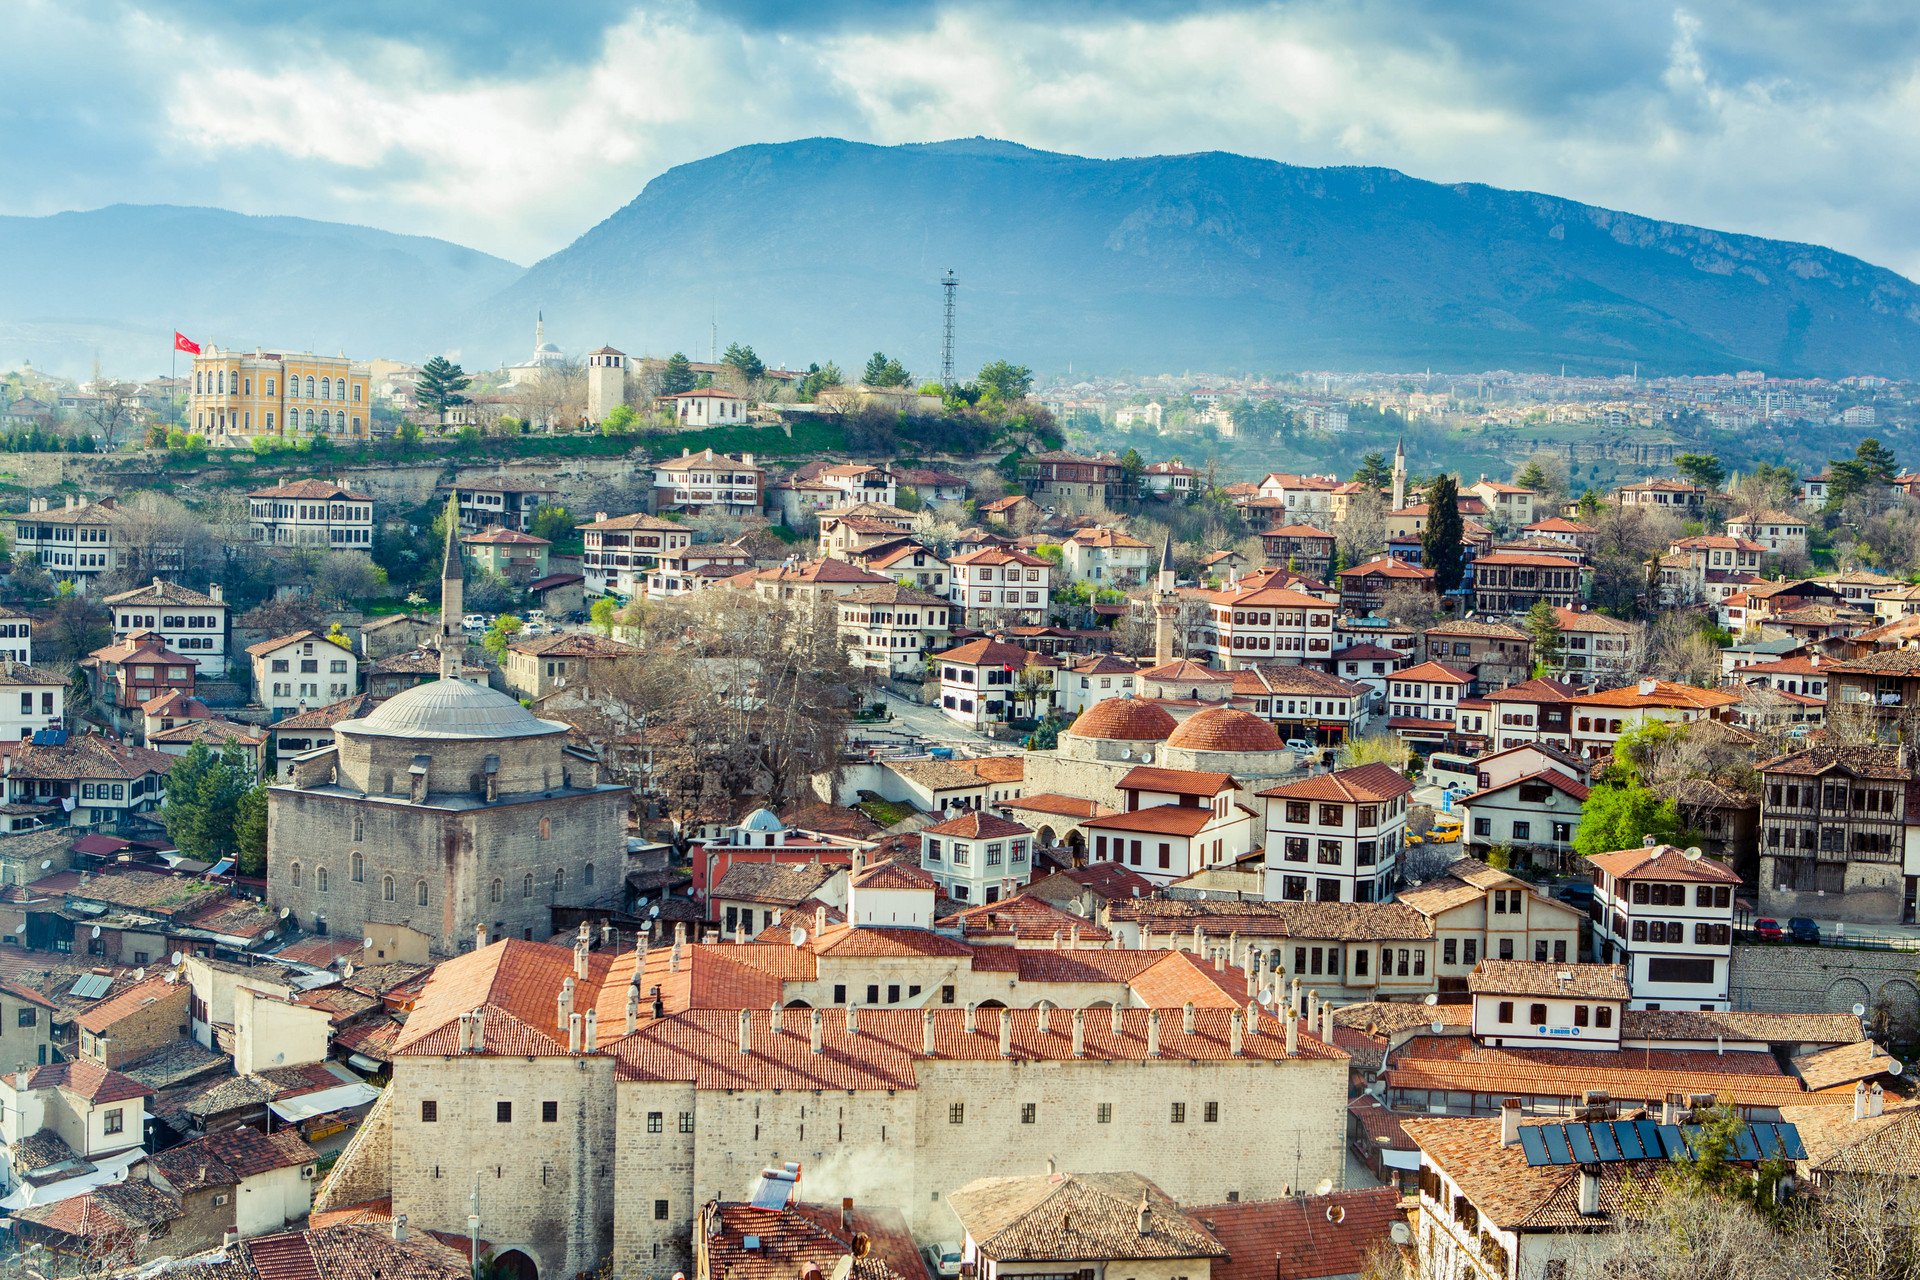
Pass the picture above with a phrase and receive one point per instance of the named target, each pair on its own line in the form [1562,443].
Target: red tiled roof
[1224,729]
[1368,782]
[1058,805]
[1434,672]
[101,1017]
[977,653]
[894,875]
[1663,694]
[90,1080]
[975,825]
[1124,719]
[1299,1238]
[1552,777]
[1662,862]
[1161,819]
[1184,782]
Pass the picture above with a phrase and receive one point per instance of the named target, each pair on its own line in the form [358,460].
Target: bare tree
[161,537]
[112,410]
[1410,608]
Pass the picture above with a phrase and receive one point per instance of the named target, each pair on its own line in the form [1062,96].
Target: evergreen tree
[1440,540]
[1548,642]
[751,367]
[1006,382]
[677,376]
[1702,468]
[203,796]
[1375,472]
[250,831]
[440,385]
[818,379]
[883,372]
[1532,477]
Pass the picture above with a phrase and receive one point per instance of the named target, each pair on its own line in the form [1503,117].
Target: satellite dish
[1336,1214]
[1126,753]
[798,936]
[1859,1010]
[1401,1233]
[1692,854]
[1896,1068]
[1266,997]
[1146,757]
[177,957]
[285,912]
[366,944]
[653,911]
[140,974]
[1325,1187]
[45,863]
[96,931]
[1433,998]
[268,935]
[1436,1027]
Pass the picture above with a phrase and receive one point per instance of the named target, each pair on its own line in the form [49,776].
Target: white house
[190,624]
[41,701]
[975,857]
[1106,558]
[909,564]
[1509,504]
[979,681]
[316,514]
[892,628]
[1538,813]
[707,407]
[1168,842]
[16,636]
[1254,625]
[300,672]
[1093,679]
[1777,531]
[998,586]
[1336,838]
[1523,1004]
[895,895]
[1666,916]
[617,553]
[1599,719]
[87,1112]
[707,481]
[1424,700]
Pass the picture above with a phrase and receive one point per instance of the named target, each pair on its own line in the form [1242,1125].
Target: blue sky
[512,128]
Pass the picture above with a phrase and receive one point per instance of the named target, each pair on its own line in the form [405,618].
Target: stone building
[447,806]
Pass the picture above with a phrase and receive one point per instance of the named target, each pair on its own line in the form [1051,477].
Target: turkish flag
[183,343]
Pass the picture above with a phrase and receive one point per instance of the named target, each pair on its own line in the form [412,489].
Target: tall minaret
[453,641]
[539,331]
[1166,604]
[1399,474]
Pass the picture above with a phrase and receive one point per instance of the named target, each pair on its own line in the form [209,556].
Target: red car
[1768,929]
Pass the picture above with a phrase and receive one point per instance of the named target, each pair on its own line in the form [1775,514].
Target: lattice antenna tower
[947,285]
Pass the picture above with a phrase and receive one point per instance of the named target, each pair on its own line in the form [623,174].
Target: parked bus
[1445,770]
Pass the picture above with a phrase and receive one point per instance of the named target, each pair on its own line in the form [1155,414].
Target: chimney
[1186,1018]
[1073,938]
[659,1005]
[926,1032]
[1199,940]
[574,1022]
[853,1018]
[673,960]
[820,922]
[1056,939]
[1079,1033]
[565,1003]
[1052,1166]
[1234,1033]
[819,1029]
[746,1031]
[1813,660]
[590,1032]
[1293,1032]
[1646,842]
[1153,1033]
[1045,1024]
[1253,1017]
[580,953]
[969,1022]
[1860,1100]
[1509,1122]
[1146,1216]
[633,1010]
[1313,1010]
[1876,1101]
[1646,687]
[218,594]
[846,1213]
[1006,1033]
[606,933]
[400,1226]
[1326,1022]
[599,517]
[774,1018]
[1589,1190]
[231,1236]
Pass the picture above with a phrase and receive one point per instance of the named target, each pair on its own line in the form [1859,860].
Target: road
[931,724]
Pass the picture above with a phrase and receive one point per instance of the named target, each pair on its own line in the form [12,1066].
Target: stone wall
[364,1170]
[1826,980]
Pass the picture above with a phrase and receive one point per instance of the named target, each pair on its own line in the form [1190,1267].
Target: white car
[536,615]
[1300,745]
[535,629]
[943,1258]
[474,622]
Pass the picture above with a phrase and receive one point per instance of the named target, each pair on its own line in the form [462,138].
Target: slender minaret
[1399,474]
[1166,604]
[453,641]
[539,332]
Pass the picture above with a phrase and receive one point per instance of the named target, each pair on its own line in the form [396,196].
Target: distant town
[625,815]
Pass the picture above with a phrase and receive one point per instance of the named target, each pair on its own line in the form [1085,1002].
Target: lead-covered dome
[1124,720]
[1224,729]
[450,709]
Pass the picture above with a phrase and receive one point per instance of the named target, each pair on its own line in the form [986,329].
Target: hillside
[826,249]
[120,280]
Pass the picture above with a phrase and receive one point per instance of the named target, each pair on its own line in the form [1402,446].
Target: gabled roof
[160,591]
[1533,977]
[1551,777]
[224,1159]
[892,875]
[333,713]
[977,653]
[1538,690]
[1368,784]
[266,647]
[90,1080]
[976,825]
[1050,1217]
[1662,862]
[104,1016]
[1663,693]
[1434,673]
[313,489]
[1299,1237]
[1184,782]
[1884,763]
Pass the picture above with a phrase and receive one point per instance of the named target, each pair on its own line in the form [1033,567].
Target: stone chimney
[590,1032]
[400,1226]
[819,1029]
[1186,1018]
[1860,1100]
[746,1031]
[1079,1033]
[1006,1033]
[1326,1022]
[580,950]
[218,594]
[1235,1044]
[968,1024]
[1153,1033]
[1293,1032]
[1876,1101]
[565,1003]
[853,1018]
[820,922]
[1040,1010]
[1509,1122]
[1199,940]
[574,1026]
[1589,1190]
[1114,1019]
[926,1032]
[633,1010]
[479,936]
[1145,1216]
[775,1018]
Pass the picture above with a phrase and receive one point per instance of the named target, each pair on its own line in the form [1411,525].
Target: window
[320,879]
[1539,950]
[1580,1013]
[294,875]
[503,1113]
[1179,1113]
[686,1122]
[1329,853]
[1470,951]
[659,1210]
[1506,948]
[1537,1015]
[420,893]
[115,1120]
[957,1113]
[386,889]
[1210,1113]
[1448,951]
[549,1112]
[493,891]
[1483,826]
[1505,1013]
[1103,1114]
[1029,1112]
[526,885]
[656,1121]
[358,867]
[1603,1016]
[1522,830]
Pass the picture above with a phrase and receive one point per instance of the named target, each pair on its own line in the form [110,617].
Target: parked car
[943,1259]
[1300,745]
[474,622]
[577,616]
[1445,829]
[1579,895]
[1768,929]
[1804,929]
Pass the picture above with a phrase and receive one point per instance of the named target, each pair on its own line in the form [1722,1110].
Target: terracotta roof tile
[1532,977]
[1050,1217]
[1298,1237]
[1663,862]
[1124,719]
[1369,783]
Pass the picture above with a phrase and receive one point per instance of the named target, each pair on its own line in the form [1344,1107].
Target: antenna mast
[947,285]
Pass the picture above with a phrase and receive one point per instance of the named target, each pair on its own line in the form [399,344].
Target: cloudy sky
[512,128]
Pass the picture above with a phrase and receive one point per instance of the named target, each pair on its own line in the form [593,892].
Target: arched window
[586,875]
[546,828]
[493,895]
[358,865]
[559,880]
[358,832]
[326,420]
[326,388]
[309,386]
[526,886]
[320,879]
[386,889]
[309,417]
[420,893]
[296,875]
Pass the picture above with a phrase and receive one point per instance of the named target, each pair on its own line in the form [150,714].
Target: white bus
[1445,770]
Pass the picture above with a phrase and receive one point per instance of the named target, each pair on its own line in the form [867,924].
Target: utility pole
[948,284]
[473,1225]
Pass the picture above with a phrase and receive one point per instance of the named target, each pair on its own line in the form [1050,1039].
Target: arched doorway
[517,1265]
[1077,842]
[798,1004]
[1047,838]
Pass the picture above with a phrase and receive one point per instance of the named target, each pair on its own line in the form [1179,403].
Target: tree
[1543,474]
[71,630]
[1006,382]
[621,421]
[1374,471]
[1440,540]
[1363,529]
[750,366]
[1543,624]
[677,376]
[1616,818]
[1376,748]
[250,831]
[345,577]
[500,635]
[439,385]
[203,797]
[109,408]
[1702,468]
[819,378]
[1410,607]
[554,523]
[1871,465]
[883,372]
[602,613]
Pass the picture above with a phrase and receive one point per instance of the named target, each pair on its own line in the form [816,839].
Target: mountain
[825,249]
[118,281]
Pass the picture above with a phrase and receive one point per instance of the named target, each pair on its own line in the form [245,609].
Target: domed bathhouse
[448,808]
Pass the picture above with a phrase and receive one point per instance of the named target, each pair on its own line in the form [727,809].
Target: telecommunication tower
[947,284]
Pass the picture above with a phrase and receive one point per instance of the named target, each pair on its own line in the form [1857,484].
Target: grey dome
[763,820]
[450,709]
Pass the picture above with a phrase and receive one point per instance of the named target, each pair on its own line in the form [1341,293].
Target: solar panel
[774,1188]
[1555,1136]
[1604,1143]
[1649,1134]
[1789,1137]
[1672,1145]
[1747,1147]
[91,986]
[1530,1143]
[1580,1142]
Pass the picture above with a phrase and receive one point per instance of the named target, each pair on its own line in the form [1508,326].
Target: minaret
[1166,603]
[1399,474]
[453,641]
[539,331]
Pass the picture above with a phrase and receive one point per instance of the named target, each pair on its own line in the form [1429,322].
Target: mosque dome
[1224,729]
[763,820]
[1124,720]
[450,709]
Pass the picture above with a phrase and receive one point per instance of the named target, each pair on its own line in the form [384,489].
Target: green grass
[884,812]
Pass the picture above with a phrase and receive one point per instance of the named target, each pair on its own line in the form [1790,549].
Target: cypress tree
[1440,540]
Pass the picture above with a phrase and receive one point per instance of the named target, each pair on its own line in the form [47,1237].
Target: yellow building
[236,397]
